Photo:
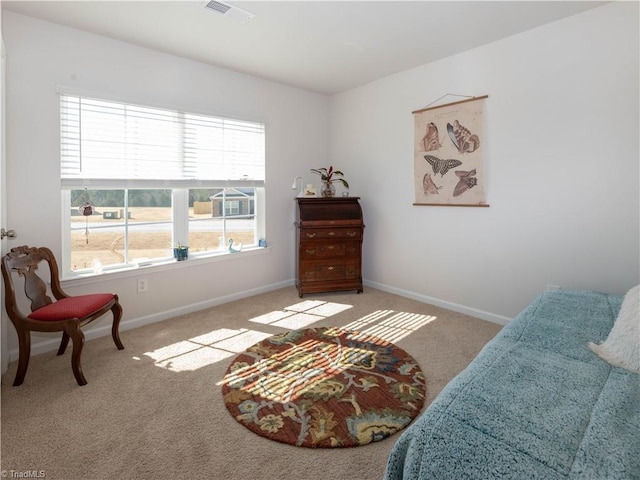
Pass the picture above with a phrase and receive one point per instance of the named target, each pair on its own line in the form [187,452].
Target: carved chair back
[25,262]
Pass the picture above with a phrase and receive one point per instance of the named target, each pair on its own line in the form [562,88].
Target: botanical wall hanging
[448,163]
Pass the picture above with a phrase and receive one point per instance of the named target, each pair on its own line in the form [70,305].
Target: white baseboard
[53,344]
[490,317]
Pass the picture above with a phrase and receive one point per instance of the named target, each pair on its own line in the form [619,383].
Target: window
[155,178]
[232,207]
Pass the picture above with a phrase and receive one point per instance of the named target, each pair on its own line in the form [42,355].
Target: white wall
[561,158]
[42,56]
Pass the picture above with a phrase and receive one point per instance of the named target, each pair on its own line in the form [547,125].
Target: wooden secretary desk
[329,235]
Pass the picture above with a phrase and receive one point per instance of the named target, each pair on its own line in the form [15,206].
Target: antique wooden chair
[67,314]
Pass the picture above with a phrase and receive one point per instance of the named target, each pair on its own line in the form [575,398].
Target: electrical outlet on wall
[143,285]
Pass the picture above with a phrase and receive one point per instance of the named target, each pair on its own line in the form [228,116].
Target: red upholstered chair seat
[72,307]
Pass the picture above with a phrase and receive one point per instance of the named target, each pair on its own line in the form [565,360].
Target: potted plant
[328,177]
[181,252]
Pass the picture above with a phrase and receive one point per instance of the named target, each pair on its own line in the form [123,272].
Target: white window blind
[108,143]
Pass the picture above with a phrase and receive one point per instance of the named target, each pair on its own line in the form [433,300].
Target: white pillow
[622,346]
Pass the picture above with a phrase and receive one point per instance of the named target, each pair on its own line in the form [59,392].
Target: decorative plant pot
[327,189]
[181,253]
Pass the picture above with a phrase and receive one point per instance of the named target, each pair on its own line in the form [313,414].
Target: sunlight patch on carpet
[302,314]
[391,325]
[297,321]
[206,349]
[220,344]
[305,305]
[328,309]
[271,317]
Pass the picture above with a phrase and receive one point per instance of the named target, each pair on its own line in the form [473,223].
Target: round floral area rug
[324,387]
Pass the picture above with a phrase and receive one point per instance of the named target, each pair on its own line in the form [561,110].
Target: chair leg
[24,346]
[77,337]
[63,343]
[117,315]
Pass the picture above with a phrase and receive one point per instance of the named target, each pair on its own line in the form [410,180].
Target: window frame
[180,199]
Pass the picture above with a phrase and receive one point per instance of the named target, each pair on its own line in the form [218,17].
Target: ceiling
[322,46]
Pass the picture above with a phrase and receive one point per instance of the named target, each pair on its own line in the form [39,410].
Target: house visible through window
[156,179]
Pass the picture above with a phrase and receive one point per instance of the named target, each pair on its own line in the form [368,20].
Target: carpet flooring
[155,410]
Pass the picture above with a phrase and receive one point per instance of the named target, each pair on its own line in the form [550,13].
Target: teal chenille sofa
[536,403]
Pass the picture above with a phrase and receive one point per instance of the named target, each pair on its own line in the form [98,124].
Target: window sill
[135,270]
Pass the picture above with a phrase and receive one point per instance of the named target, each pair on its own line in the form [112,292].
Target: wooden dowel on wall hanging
[473,99]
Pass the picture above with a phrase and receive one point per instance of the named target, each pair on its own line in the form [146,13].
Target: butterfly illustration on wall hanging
[467,181]
[431,141]
[429,186]
[462,138]
[442,166]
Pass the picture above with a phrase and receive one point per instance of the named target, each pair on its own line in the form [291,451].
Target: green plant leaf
[328,175]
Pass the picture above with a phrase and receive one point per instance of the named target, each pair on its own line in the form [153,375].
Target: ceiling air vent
[233,13]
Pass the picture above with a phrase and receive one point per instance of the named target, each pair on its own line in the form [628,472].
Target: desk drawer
[316,271]
[322,250]
[330,233]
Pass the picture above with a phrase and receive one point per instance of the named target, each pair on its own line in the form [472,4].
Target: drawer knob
[351,234]
[329,268]
[311,251]
[331,234]
[330,247]
[311,235]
